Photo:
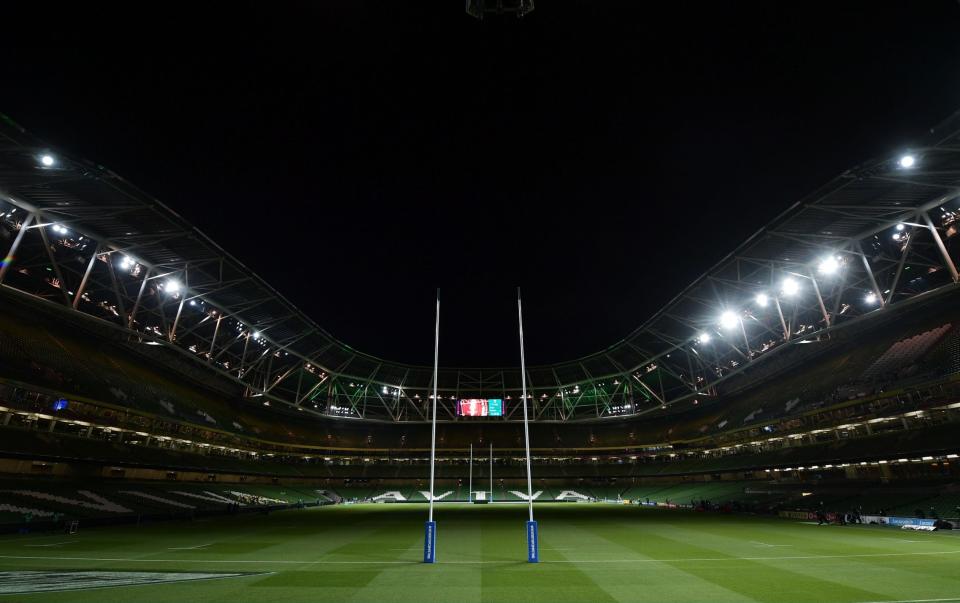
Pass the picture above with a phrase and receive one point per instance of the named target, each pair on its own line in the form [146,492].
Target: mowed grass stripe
[878,568]
[792,580]
[749,577]
[653,579]
[456,540]
[590,553]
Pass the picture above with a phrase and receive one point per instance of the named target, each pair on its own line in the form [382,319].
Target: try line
[479,562]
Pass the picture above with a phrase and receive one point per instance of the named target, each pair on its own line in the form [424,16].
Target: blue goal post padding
[533,544]
[430,543]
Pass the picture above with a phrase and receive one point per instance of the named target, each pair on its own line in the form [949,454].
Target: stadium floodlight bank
[732,319]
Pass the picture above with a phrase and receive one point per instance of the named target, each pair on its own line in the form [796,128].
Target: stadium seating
[904,354]
[35,348]
[124,501]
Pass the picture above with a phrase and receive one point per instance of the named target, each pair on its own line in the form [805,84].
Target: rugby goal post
[430,529]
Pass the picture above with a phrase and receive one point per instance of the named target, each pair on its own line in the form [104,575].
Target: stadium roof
[875,236]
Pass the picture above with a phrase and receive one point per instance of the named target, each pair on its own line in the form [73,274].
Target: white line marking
[33,581]
[188,548]
[767,545]
[914,600]
[53,543]
[336,562]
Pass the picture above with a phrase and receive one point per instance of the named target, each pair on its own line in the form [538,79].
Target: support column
[136,304]
[213,340]
[783,323]
[54,264]
[183,298]
[176,320]
[8,260]
[823,308]
[86,277]
[900,265]
[873,280]
[943,248]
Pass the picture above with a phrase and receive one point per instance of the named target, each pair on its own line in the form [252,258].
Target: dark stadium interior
[738,251]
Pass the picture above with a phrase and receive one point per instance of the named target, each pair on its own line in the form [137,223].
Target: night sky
[601,155]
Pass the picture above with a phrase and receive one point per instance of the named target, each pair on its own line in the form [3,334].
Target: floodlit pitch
[589,552]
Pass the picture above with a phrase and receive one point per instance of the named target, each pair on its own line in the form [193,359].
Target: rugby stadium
[168,417]
[173,427]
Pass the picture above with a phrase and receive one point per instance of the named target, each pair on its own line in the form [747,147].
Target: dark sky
[601,155]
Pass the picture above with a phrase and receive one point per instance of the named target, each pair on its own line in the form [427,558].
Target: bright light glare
[704,338]
[126,262]
[907,161]
[48,160]
[762,300]
[900,227]
[729,320]
[172,286]
[790,286]
[256,334]
[829,265]
[871,298]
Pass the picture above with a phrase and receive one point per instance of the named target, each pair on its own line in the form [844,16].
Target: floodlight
[703,338]
[829,265]
[48,160]
[871,298]
[900,226]
[256,334]
[729,320]
[126,262]
[762,299]
[790,286]
[171,286]
[907,161]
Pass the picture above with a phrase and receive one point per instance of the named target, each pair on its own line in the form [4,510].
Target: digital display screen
[480,407]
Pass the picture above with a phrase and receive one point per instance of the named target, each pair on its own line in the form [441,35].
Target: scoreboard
[480,407]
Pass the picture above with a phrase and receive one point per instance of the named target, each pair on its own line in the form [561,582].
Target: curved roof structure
[879,235]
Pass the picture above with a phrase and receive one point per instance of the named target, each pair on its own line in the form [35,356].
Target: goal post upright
[533,547]
[430,531]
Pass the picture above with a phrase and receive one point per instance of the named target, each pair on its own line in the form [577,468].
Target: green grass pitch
[589,553]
